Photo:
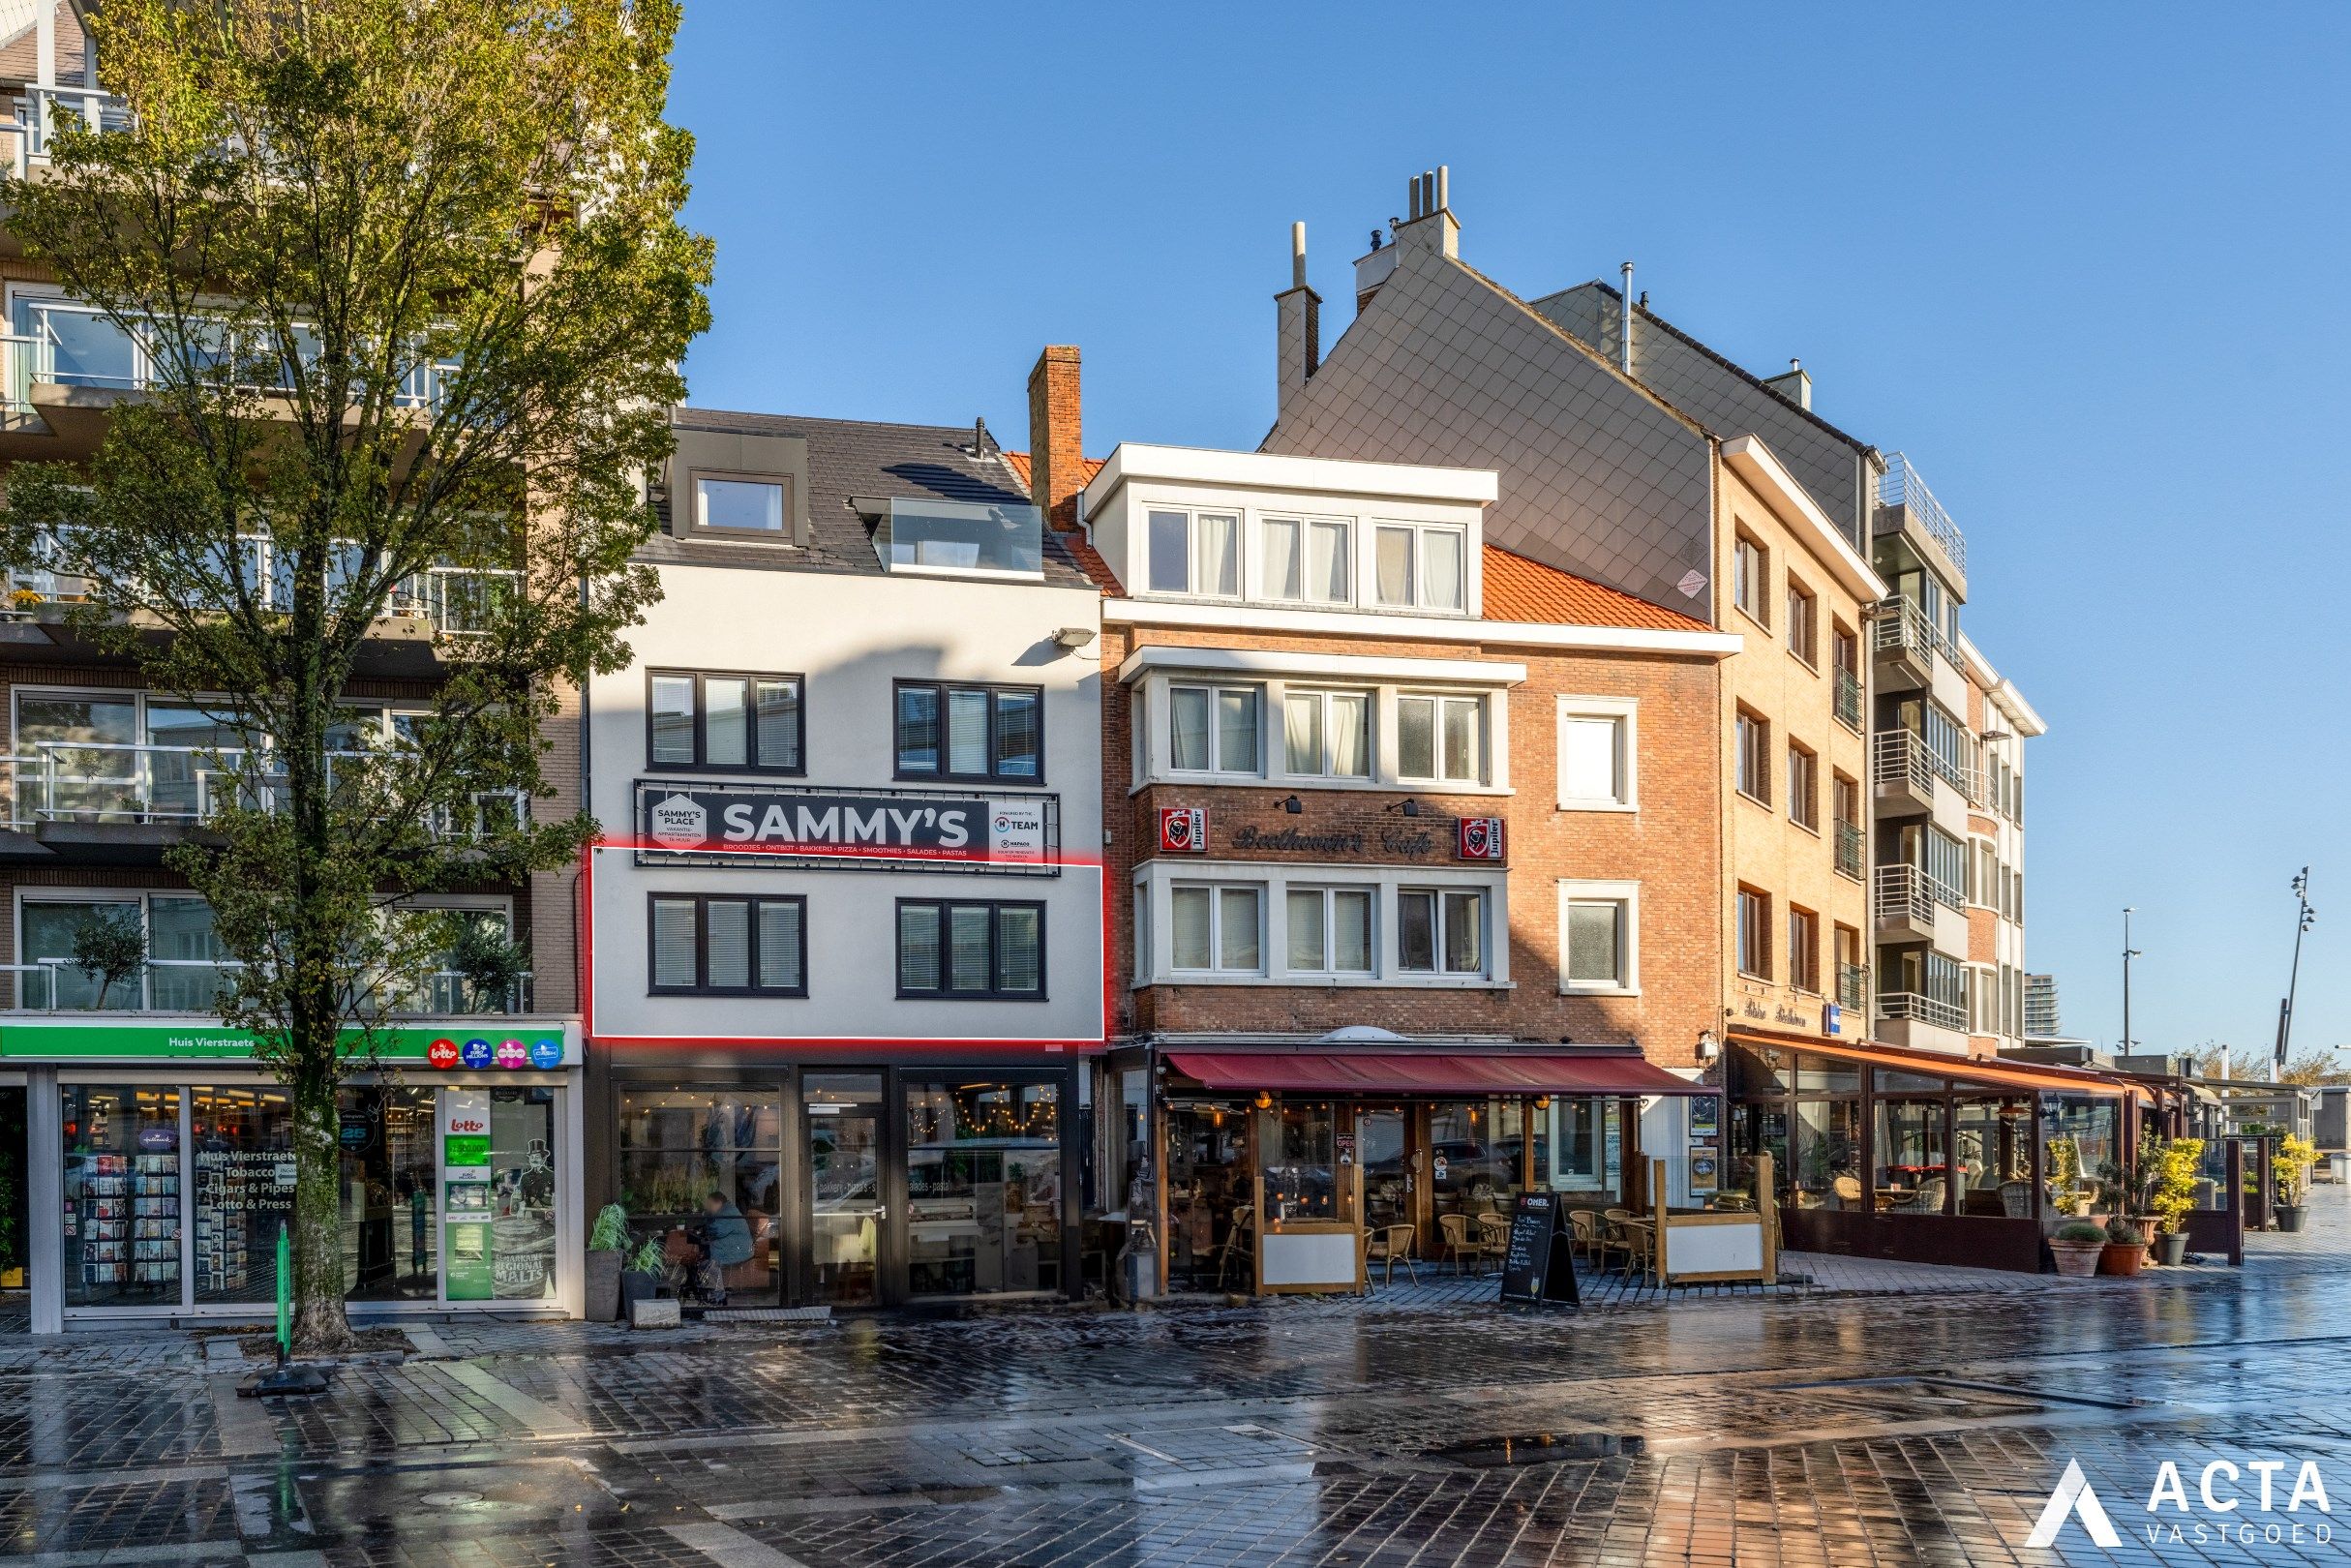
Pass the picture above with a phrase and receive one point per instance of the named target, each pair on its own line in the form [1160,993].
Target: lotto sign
[442,1054]
[476,1053]
[546,1053]
[513,1053]
[1477,838]
[1183,831]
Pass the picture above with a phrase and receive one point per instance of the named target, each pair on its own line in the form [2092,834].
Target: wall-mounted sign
[1477,838]
[764,823]
[70,1038]
[1183,831]
[1833,1018]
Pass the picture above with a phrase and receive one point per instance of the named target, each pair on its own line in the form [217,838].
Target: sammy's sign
[690,820]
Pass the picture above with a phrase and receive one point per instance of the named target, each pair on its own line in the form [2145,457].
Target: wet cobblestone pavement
[1876,1418]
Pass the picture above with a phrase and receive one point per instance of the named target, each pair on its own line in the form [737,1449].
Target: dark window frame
[946,990]
[701,985]
[788,535]
[702,713]
[996,691]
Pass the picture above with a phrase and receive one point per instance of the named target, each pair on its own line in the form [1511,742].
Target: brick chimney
[1298,326]
[1057,452]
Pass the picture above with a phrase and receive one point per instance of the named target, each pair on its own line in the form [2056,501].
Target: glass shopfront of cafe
[1880,1152]
[858,1185]
[160,1166]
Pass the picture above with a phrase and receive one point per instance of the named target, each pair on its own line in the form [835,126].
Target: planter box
[2289,1216]
[603,1304]
[2076,1260]
[636,1288]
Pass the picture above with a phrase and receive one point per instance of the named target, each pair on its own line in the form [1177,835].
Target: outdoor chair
[2016,1199]
[1462,1240]
[1847,1190]
[1391,1244]
[1928,1199]
[1593,1235]
[1493,1234]
[1239,1245]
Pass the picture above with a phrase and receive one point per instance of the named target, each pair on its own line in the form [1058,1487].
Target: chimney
[1057,452]
[1297,326]
[1432,227]
[1796,386]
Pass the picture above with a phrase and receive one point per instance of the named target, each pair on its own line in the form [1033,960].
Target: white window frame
[1417,598]
[1325,891]
[1305,524]
[1243,556]
[1157,880]
[1627,896]
[1440,925]
[1437,776]
[1321,696]
[1625,712]
[1216,690]
[1215,889]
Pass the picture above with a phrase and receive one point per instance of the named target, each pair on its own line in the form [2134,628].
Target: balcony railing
[1901,627]
[1903,893]
[43,110]
[1901,486]
[1898,759]
[1853,988]
[1848,698]
[1852,850]
[1926,1010]
[84,782]
[185,985]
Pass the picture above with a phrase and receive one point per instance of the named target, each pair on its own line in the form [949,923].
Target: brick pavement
[1921,1422]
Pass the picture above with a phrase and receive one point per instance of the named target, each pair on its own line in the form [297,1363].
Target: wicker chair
[1391,1244]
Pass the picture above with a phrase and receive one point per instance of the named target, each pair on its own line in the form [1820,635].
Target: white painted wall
[852,636]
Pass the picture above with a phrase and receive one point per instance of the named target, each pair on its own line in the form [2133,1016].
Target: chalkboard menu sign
[1539,1268]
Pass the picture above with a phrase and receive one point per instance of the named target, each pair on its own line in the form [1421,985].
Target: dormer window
[1196,553]
[1418,567]
[751,507]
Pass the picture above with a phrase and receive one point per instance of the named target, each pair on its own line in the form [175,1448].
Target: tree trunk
[320,1325]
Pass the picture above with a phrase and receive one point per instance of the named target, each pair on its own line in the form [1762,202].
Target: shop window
[1440,931]
[955,731]
[1758,1128]
[2080,1136]
[1328,734]
[704,944]
[1209,1183]
[243,1142]
[1477,1156]
[1441,740]
[1585,1135]
[983,1186]
[1913,1174]
[1299,1178]
[390,1182]
[1214,729]
[738,723]
[691,1159]
[1216,930]
[1992,1154]
[1330,930]
[122,1194]
[1827,1155]
[992,952]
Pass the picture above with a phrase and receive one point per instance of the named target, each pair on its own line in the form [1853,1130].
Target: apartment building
[149,1147]
[1413,851]
[846,939]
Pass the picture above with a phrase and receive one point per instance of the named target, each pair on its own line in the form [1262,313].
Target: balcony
[1906,507]
[1853,988]
[130,802]
[1853,851]
[1909,1006]
[1902,774]
[940,538]
[1904,903]
[1905,642]
[1848,698]
[43,110]
[182,986]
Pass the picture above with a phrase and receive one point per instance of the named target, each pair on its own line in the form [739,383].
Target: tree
[413,289]
[109,947]
[2315,1067]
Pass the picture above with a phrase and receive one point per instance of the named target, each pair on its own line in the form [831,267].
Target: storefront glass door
[1387,1178]
[848,1211]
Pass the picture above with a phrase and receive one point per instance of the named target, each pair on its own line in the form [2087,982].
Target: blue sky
[2082,263]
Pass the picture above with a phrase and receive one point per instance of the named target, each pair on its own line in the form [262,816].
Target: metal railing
[1852,850]
[186,986]
[1853,987]
[1848,698]
[105,782]
[1901,486]
[1903,893]
[1918,1009]
[1901,627]
[44,110]
[1898,759]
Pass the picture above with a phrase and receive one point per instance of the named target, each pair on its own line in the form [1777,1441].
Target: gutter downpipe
[1624,336]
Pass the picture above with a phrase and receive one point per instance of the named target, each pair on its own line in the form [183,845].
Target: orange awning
[1408,1073]
[1972,1069]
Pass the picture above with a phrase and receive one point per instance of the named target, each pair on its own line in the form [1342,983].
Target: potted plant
[607,1241]
[2172,1195]
[642,1280]
[2291,1166]
[2126,1248]
[2076,1246]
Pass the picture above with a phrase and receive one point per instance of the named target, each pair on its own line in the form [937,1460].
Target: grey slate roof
[1726,399]
[849,457]
[1599,476]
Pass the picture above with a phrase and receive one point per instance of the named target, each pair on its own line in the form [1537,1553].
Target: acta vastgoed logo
[2231,1503]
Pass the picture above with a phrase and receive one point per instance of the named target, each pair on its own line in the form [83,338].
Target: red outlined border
[866,1042]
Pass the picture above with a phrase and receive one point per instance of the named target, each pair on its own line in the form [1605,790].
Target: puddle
[1538,1448]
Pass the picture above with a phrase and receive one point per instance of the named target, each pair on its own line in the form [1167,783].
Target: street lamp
[2303,915]
[2128,953]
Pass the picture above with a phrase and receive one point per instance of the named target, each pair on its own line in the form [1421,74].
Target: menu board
[1539,1265]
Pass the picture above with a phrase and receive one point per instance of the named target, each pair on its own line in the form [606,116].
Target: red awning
[1313,1071]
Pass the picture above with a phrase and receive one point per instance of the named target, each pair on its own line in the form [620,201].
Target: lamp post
[2304,915]
[2128,953]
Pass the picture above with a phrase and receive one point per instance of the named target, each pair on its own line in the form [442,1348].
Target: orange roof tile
[1019,461]
[1521,590]
[1081,549]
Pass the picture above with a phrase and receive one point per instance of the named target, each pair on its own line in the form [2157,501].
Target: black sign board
[744,824]
[1540,1265]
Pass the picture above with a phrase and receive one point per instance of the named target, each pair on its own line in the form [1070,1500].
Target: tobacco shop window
[977,952]
[747,723]
[1440,931]
[706,945]
[970,732]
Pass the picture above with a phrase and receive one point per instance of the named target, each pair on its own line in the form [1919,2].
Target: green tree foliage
[413,286]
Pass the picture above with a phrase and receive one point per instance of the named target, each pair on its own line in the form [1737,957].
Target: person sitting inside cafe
[724,1239]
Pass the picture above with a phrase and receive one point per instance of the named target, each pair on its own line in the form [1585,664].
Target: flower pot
[2122,1258]
[636,1288]
[2081,1207]
[2289,1216]
[2076,1260]
[2171,1248]
[603,1304]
